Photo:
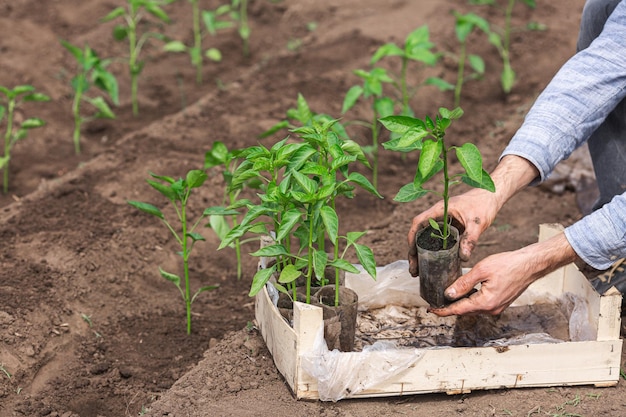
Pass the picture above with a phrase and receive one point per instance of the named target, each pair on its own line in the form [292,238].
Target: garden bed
[591,355]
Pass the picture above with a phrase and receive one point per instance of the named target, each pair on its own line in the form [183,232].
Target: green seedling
[178,193]
[239,13]
[132,16]
[4,371]
[417,49]
[12,100]
[211,19]
[229,162]
[301,182]
[428,136]
[91,71]
[465,24]
[382,106]
[502,40]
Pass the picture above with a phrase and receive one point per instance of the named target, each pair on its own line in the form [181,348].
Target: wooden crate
[458,370]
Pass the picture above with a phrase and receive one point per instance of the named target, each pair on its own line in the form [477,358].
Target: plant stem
[405,94]
[233,198]
[336,256]
[77,119]
[132,62]
[460,76]
[446,181]
[7,143]
[309,271]
[375,149]
[197,39]
[243,27]
[183,218]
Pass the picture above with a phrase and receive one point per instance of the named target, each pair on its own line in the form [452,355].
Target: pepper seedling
[132,15]
[91,71]
[12,134]
[212,23]
[428,136]
[178,193]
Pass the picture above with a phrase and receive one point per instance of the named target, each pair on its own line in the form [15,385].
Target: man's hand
[504,276]
[473,212]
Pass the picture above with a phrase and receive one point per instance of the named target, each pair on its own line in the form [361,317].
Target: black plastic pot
[438,268]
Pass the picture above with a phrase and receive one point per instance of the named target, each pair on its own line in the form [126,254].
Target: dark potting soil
[432,243]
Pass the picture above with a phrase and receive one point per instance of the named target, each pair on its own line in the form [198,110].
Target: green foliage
[229,161]
[178,193]
[465,24]
[11,100]
[132,15]
[91,71]
[302,178]
[212,22]
[428,136]
[417,50]
[239,13]
[501,38]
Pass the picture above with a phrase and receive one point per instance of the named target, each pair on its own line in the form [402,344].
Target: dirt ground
[88,327]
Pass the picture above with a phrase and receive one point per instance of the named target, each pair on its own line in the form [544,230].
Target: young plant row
[134,27]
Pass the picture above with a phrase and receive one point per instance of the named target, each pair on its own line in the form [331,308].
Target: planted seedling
[428,136]
[211,19]
[239,13]
[178,193]
[502,40]
[229,162]
[91,71]
[297,206]
[10,102]
[465,24]
[132,15]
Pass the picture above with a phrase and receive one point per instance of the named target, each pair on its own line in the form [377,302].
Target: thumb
[463,285]
[469,239]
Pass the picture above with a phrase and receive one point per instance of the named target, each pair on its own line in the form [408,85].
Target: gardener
[585,102]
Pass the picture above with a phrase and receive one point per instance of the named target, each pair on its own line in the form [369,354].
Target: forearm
[512,174]
[547,256]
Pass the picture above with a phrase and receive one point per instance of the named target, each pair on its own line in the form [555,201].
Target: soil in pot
[438,267]
[346,312]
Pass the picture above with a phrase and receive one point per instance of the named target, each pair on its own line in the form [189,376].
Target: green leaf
[429,156]
[440,83]
[289,274]
[175,46]
[470,159]
[331,222]
[219,211]
[383,106]
[389,49]
[195,178]
[344,265]
[220,226]
[366,258]
[165,190]
[74,50]
[284,124]
[320,259]
[402,124]
[477,63]
[363,182]
[120,33]
[104,111]
[196,237]
[203,289]
[117,12]
[271,251]
[351,98]
[485,182]
[213,54]
[409,193]
[507,79]
[434,224]
[218,155]
[157,12]
[148,208]
[32,123]
[170,277]
[260,279]
[289,219]
[309,186]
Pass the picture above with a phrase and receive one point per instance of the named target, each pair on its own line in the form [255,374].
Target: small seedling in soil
[4,371]
[132,15]
[502,40]
[178,193]
[229,161]
[464,26]
[212,23]
[10,102]
[239,13]
[91,71]
[428,136]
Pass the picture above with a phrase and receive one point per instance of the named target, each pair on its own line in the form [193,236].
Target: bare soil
[88,327]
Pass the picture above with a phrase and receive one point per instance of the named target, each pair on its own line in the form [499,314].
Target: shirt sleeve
[578,99]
